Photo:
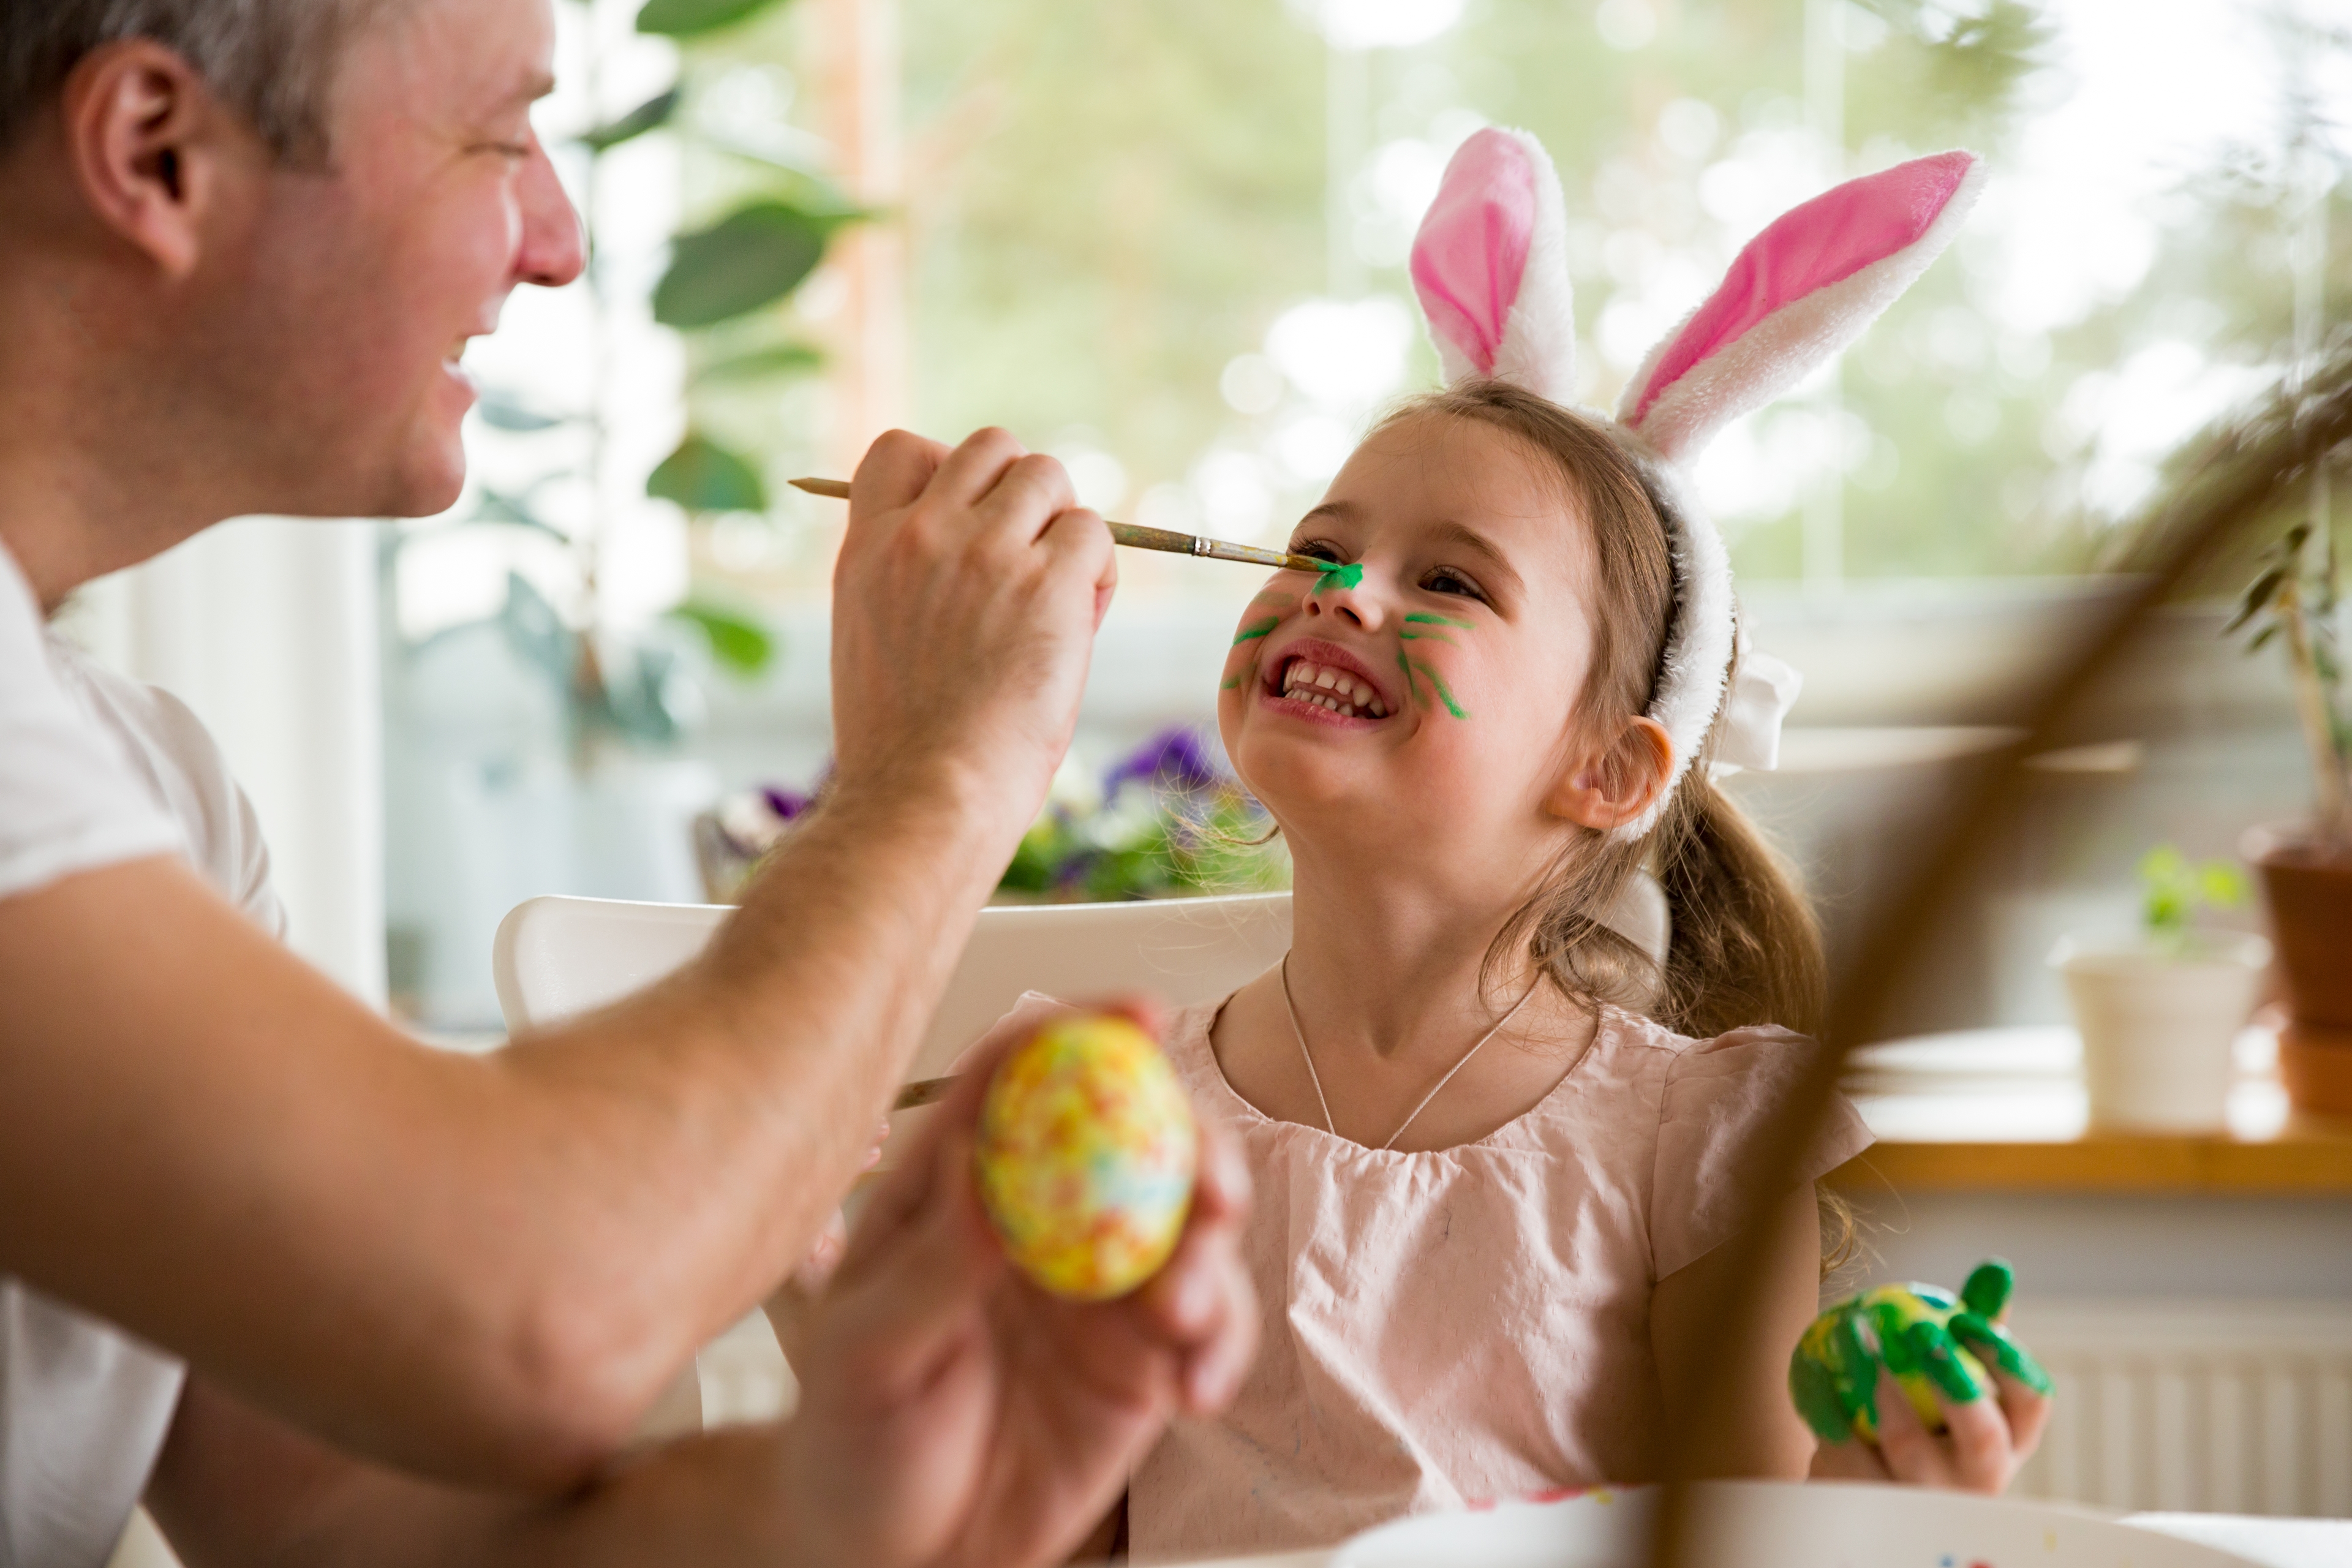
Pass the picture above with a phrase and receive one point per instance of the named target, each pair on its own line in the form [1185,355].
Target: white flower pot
[2158,1025]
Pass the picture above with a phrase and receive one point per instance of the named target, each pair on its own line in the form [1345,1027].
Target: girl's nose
[1354,602]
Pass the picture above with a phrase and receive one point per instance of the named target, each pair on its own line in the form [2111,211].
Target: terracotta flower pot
[2315,1065]
[2310,897]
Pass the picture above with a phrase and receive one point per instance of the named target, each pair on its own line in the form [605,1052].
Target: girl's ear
[1620,784]
[1800,291]
[1490,266]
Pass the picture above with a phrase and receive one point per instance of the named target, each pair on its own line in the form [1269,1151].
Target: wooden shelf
[2002,1111]
[2302,1162]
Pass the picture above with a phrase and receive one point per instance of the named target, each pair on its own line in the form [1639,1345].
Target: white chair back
[555,958]
[558,957]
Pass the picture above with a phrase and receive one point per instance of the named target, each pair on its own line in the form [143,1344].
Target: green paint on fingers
[1437,684]
[1256,629]
[1338,576]
[1988,1288]
[1990,1341]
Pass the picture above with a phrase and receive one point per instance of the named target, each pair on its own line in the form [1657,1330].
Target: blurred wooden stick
[2248,467]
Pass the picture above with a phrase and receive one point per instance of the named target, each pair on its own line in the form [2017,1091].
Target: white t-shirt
[94,770]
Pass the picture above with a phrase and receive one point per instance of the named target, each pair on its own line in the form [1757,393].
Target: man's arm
[952,1413]
[487,1269]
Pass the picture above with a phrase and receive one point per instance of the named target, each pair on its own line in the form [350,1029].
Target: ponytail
[1746,948]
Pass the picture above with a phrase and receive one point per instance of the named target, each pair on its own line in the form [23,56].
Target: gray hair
[272,60]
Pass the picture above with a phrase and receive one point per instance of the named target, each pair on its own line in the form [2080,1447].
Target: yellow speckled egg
[1086,1155]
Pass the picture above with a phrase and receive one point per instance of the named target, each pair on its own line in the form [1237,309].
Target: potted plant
[2307,869]
[2159,1015]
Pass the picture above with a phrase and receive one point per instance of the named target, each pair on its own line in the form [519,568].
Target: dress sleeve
[1720,1096]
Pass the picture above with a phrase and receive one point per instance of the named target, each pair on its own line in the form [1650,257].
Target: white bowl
[1780,1524]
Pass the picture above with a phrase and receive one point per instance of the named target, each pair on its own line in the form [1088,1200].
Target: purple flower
[786,803]
[1174,759]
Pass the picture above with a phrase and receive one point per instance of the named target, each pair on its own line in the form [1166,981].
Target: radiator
[2217,1406]
[2221,1406]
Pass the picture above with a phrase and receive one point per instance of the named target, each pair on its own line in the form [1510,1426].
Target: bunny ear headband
[1490,266]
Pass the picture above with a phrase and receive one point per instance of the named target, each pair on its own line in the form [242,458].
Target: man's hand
[965,602]
[954,1412]
[1986,1442]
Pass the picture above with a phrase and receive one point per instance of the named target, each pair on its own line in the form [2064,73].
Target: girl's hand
[1987,1440]
[953,1413]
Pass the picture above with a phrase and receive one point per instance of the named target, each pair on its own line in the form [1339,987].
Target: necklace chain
[1316,1079]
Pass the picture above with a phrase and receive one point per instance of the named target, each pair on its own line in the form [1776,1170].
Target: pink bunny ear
[1802,290]
[1490,266]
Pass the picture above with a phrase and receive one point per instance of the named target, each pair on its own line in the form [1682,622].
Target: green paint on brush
[1419,619]
[1336,575]
[1437,684]
[1256,629]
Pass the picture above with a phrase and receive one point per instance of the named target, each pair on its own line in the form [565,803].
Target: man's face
[349,295]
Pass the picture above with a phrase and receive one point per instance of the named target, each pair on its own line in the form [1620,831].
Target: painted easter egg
[1086,1155]
[1910,1330]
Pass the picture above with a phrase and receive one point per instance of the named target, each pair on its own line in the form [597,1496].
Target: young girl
[1496,1143]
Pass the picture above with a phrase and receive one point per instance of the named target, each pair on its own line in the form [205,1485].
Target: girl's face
[1417,704]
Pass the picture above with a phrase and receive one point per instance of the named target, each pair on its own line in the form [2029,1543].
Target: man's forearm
[484,1269]
[234,1489]
[745,1090]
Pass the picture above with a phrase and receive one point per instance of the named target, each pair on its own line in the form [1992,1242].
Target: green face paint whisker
[1437,684]
[1427,636]
[1256,629]
[1417,618]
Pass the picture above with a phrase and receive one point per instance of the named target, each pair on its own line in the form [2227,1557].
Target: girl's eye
[1443,581]
[1322,549]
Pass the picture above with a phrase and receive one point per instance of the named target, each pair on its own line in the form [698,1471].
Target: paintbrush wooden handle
[1137,537]
[922,1091]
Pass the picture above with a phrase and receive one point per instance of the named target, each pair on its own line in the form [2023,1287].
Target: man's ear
[1618,782]
[151,148]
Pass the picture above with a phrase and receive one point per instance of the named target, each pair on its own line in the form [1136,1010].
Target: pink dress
[1466,1323]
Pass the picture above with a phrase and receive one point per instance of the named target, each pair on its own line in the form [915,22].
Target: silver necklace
[1316,1079]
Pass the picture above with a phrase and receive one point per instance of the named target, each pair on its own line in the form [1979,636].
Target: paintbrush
[1142,538]
[921,1092]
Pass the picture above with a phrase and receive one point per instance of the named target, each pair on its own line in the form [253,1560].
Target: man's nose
[553,250]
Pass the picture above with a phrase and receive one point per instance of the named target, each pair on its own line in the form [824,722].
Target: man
[242,246]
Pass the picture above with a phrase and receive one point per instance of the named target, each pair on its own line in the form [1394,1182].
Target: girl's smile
[1318,681]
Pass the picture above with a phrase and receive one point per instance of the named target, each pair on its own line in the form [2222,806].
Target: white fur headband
[1490,266]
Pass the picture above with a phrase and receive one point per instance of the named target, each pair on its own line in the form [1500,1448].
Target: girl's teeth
[1334,691]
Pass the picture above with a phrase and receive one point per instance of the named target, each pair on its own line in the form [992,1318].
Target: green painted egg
[1910,1330]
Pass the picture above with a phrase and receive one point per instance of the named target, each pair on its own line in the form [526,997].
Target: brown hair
[1745,948]
[273,61]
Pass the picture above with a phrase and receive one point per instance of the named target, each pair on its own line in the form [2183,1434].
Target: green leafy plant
[2173,888]
[2292,601]
[723,286]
